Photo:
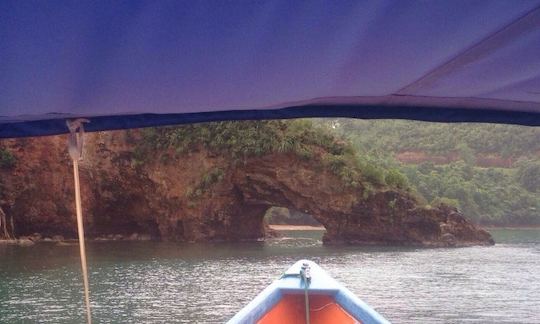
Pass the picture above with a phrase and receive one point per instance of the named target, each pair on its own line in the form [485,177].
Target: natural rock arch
[165,198]
[235,209]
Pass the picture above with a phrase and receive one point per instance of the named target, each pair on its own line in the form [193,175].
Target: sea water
[157,282]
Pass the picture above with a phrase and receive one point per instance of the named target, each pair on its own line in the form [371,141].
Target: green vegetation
[437,138]
[489,195]
[208,179]
[241,139]
[396,179]
[528,175]
[7,159]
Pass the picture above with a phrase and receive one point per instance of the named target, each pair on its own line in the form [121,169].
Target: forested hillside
[490,172]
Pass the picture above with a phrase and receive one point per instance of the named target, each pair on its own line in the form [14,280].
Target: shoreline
[510,227]
[296,228]
[29,240]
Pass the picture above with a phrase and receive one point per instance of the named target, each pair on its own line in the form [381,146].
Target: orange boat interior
[322,309]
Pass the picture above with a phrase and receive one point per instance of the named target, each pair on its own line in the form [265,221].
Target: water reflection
[148,282]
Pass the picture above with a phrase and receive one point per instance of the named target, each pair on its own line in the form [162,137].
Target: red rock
[161,199]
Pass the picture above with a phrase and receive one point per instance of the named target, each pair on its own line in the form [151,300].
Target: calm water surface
[149,282]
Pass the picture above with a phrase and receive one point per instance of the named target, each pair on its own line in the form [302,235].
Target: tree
[396,179]
[4,233]
[529,176]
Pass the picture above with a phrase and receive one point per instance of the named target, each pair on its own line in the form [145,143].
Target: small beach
[297,228]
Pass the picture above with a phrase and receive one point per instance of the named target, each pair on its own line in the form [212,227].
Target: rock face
[201,196]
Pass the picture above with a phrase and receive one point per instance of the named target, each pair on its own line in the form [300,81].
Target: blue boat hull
[286,299]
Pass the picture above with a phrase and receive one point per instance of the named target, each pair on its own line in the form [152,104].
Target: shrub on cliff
[441,201]
[7,159]
[208,179]
[371,172]
[396,179]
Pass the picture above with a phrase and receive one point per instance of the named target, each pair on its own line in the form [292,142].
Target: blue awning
[146,63]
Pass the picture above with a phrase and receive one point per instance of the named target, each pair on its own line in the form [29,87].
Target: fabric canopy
[125,64]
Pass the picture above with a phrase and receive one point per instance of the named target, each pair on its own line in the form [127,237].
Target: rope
[306,297]
[322,307]
[305,276]
[75,145]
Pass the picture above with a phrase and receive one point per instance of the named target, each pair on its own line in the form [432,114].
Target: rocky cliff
[200,195]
